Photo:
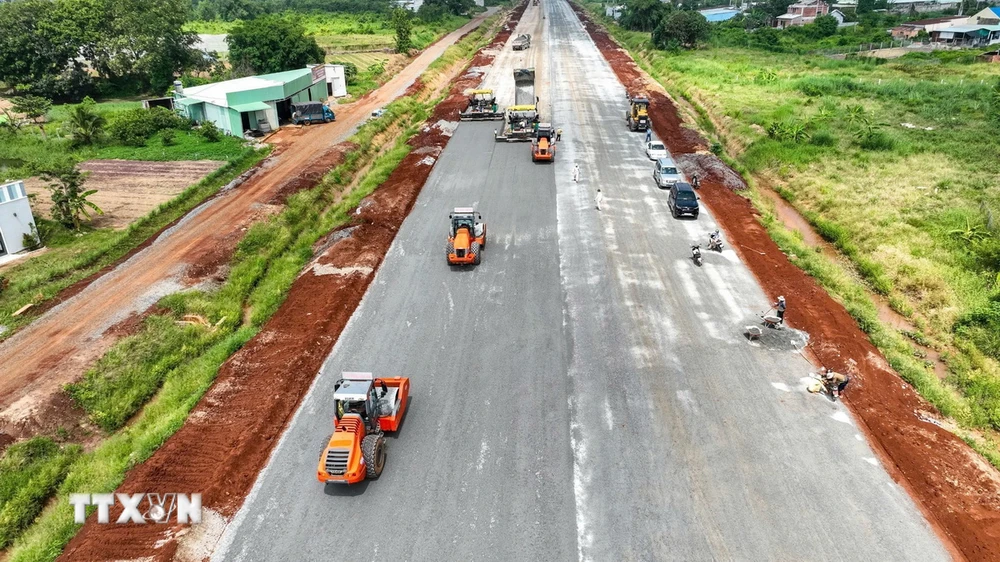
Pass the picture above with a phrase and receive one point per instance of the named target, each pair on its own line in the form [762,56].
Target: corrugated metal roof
[216,93]
[719,14]
[968,28]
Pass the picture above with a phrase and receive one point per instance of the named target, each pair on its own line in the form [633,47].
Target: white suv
[665,173]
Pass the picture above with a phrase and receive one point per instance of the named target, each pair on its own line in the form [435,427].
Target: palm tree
[86,124]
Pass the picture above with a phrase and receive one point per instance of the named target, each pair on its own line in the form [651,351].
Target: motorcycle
[715,241]
[696,254]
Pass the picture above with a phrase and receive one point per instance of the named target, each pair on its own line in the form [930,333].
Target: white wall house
[16,219]
[336,81]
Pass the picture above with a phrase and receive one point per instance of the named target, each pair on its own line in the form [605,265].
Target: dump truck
[543,148]
[466,237]
[482,107]
[521,42]
[365,409]
[520,119]
[637,116]
[311,112]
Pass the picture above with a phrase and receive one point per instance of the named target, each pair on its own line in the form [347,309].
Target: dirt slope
[58,347]
[957,490]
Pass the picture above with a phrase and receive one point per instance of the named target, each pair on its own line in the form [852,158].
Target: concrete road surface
[586,392]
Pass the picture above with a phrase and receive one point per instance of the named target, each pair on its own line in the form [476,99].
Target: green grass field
[350,32]
[894,162]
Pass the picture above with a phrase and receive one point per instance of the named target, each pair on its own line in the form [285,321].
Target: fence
[873,47]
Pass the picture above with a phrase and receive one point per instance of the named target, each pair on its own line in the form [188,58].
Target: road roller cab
[466,237]
[366,408]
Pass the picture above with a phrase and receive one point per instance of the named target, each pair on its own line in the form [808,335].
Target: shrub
[876,140]
[134,126]
[168,137]
[823,138]
[210,131]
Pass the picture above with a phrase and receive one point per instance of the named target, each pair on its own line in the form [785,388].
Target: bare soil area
[128,189]
[958,491]
[230,434]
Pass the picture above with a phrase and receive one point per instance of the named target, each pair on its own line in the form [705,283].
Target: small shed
[336,80]
[16,219]
[968,35]
[255,102]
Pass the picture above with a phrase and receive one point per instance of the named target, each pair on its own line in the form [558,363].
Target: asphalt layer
[587,391]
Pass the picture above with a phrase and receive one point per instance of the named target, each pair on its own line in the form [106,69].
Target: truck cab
[311,112]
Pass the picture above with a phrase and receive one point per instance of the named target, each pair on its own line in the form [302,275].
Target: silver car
[665,173]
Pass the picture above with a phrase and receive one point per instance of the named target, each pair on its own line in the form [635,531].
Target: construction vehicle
[637,116]
[309,112]
[482,106]
[520,119]
[366,408]
[543,148]
[466,237]
[522,42]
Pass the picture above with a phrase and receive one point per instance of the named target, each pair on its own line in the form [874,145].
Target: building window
[12,191]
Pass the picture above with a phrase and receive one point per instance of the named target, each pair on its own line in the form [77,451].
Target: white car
[655,150]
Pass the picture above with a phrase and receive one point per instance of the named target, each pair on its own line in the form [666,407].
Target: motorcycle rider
[696,253]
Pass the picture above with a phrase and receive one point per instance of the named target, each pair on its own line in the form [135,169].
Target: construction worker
[649,135]
[835,382]
[576,172]
[599,198]
[780,307]
[558,134]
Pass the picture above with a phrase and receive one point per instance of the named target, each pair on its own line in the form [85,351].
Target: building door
[245,118]
[3,249]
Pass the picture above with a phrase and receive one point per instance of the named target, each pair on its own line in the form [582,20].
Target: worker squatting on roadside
[780,307]
[835,382]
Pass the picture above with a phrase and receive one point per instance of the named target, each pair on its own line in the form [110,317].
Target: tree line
[66,49]
[681,26]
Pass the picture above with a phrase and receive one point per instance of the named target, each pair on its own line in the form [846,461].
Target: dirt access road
[58,347]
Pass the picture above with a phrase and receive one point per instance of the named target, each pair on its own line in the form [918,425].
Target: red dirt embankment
[956,488]
[229,436]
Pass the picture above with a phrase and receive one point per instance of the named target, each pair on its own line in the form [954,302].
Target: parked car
[682,200]
[377,113]
[665,173]
[656,150]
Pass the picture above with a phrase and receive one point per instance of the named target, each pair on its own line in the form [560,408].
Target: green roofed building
[255,102]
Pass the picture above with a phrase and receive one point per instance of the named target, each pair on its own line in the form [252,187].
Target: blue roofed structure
[719,14]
